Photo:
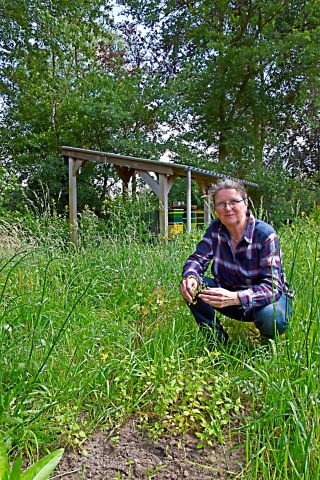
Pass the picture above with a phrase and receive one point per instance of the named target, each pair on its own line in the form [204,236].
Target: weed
[94,334]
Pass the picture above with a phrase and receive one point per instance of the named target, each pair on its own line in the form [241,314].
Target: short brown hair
[228,183]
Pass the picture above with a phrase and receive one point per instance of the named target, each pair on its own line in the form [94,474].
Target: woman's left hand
[219,297]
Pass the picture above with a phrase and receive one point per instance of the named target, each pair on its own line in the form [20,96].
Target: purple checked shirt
[253,269]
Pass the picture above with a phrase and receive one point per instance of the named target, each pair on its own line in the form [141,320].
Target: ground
[135,456]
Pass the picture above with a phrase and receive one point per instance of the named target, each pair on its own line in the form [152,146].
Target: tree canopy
[231,86]
[65,80]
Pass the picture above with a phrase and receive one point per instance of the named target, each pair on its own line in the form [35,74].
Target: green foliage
[245,76]
[41,470]
[190,400]
[283,201]
[66,81]
[134,218]
[11,192]
[69,426]
[233,85]
[95,334]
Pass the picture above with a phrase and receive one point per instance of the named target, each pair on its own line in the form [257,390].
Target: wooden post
[206,202]
[207,209]
[73,201]
[188,201]
[164,188]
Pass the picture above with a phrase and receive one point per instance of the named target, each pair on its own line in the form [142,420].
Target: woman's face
[231,208]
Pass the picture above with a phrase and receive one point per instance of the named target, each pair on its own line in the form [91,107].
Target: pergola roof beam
[167,168]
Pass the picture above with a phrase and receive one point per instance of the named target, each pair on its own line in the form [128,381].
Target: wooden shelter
[126,167]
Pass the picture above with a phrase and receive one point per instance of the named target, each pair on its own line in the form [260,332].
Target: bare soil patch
[137,457]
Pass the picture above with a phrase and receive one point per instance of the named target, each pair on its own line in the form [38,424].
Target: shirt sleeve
[270,287]
[199,261]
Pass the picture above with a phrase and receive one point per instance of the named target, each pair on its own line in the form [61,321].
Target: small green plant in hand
[41,470]
[201,285]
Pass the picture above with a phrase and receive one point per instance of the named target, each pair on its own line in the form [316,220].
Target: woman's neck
[237,231]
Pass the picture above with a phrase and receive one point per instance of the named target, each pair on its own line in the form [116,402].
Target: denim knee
[273,318]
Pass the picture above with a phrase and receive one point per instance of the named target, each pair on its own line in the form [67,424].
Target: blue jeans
[270,320]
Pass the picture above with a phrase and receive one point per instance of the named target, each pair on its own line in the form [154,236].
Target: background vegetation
[94,335]
[228,86]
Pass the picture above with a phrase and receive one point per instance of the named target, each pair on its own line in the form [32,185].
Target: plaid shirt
[253,269]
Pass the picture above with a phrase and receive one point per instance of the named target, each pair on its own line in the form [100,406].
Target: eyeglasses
[232,204]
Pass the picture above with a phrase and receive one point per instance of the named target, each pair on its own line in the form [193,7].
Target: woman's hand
[219,297]
[187,288]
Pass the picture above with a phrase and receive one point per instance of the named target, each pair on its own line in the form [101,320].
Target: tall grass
[94,334]
[283,434]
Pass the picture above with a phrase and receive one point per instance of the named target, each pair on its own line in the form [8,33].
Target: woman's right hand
[187,288]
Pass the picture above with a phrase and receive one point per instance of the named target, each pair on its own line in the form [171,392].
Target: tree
[66,80]
[244,72]
[239,66]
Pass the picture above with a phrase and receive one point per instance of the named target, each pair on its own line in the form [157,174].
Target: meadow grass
[95,334]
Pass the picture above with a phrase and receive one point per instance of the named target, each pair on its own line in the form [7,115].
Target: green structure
[200,218]
[175,221]
[193,218]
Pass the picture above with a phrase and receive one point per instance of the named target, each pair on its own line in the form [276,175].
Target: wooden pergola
[126,167]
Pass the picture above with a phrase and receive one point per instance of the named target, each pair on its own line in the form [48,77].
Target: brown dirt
[135,456]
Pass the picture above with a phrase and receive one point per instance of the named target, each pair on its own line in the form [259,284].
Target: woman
[248,283]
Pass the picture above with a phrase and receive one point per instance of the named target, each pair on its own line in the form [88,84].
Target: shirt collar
[248,234]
